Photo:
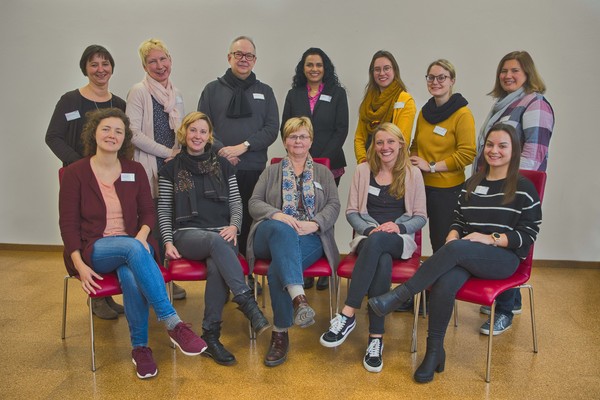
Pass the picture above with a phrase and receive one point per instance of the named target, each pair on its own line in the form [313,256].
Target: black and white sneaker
[373,361]
[340,327]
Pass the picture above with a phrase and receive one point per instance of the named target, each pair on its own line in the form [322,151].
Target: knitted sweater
[260,129]
[456,146]
[403,117]
[484,212]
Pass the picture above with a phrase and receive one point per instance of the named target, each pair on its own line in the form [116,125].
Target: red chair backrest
[538,178]
[318,160]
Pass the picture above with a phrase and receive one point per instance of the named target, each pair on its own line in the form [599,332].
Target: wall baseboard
[536,263]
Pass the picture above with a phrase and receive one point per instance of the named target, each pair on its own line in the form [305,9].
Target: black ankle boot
[247,305]
[215,349]
[388,302]
[434,360]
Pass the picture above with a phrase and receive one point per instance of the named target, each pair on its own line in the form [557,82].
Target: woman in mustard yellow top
[444,145]
[386,100]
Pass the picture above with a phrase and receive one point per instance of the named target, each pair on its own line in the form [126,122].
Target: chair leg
[331,294]
[337,296]
[64,313]
[264,301]
[455,313]
[533,325]
[491,335]
[413,347]
[424,297]
[92,343]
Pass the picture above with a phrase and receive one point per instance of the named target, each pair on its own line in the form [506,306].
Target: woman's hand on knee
[171,251]
[479,238]
[88,284]
[287,219]
[229,234]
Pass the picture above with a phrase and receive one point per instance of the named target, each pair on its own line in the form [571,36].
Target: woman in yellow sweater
[386,100]
[444,145]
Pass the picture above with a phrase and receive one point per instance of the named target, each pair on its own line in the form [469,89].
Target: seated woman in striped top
[497,219]
[199,215]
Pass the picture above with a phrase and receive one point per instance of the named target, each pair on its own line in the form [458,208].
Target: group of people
[199,188]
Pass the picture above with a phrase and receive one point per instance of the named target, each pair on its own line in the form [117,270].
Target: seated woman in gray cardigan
[295,205]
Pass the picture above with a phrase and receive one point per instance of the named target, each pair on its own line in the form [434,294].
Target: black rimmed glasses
[439,78]
[238,55]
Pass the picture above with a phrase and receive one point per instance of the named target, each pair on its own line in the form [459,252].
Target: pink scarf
[166,97]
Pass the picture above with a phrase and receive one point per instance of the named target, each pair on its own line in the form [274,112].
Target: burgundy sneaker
[188,342]
[144,363]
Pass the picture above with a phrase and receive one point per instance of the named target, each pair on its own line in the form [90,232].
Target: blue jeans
[290,255]
[141,282]
[448,269]
[507,301]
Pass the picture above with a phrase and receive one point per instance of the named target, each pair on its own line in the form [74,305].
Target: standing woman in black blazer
[317,93]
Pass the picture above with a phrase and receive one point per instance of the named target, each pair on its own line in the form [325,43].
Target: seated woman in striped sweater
[496,221]
[199,215]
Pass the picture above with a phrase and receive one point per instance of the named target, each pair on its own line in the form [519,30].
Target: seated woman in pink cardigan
[386,206]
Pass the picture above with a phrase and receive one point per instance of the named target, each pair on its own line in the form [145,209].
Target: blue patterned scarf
[294,195]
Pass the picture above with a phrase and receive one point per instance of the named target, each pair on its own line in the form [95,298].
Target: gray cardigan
[266,201]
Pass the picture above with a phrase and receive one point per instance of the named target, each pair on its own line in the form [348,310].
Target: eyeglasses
[432,78]
[238,55]
[386,69]
[302,138]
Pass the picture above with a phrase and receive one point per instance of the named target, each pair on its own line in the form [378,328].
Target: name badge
[374,191]
[439,130]
[258,96]
[179,100]
[481,189]
[325,97]
[318,185]
[399,104]
[72,115]
[127,177]
[504,119]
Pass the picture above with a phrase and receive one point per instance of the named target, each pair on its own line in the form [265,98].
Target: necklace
[96,104]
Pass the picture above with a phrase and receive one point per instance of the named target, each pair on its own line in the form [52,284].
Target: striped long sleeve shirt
[484,213]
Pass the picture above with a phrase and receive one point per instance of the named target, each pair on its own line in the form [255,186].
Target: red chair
[320,268]
[402,271]
[110,287]
[484,291]
[191,270]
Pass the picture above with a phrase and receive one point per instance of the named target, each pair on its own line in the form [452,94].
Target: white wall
[43,40]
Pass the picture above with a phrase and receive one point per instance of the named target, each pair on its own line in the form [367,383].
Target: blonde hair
[295,124]
[152,44]
[402,162]
[190,119]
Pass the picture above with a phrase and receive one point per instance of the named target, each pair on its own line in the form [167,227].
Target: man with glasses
[244,113]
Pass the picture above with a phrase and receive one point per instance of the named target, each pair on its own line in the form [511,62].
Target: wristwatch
[247,144]
[432,167]
[496,237]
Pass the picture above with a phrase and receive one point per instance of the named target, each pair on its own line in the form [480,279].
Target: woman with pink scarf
[155,109]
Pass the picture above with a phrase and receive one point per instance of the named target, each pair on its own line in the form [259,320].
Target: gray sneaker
[502,323]
[487,311]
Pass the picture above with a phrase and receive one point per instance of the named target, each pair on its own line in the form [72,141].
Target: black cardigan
[329,119]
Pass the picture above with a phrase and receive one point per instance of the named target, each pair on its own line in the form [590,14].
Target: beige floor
[36,364]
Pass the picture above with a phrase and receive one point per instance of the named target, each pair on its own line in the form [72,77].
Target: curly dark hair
[330,78]
[93,119]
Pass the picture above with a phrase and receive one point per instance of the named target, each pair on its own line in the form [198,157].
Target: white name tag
[374,191]
[439,130]
[72,115]
[481,189]
[318,185]
[258,96]
[504,119]
[399,104]
[127,177]
[325,97]
[179,100]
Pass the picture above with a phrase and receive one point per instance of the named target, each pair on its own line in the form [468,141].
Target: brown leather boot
[278,349]
[304,315]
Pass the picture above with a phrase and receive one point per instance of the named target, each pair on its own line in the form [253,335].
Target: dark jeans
[246,181]
[507,301]
[372,274]
[448,269]
[223,268]
[441,203]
